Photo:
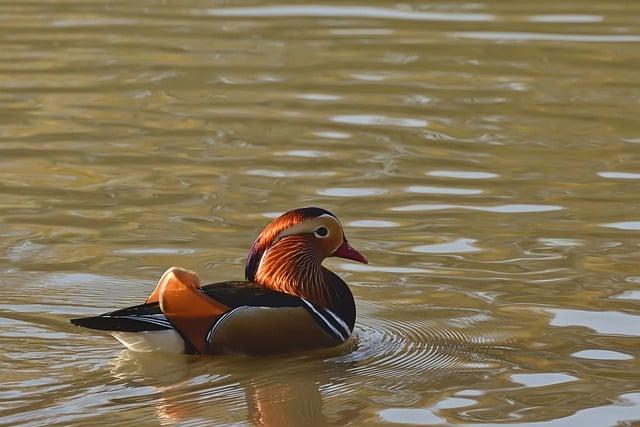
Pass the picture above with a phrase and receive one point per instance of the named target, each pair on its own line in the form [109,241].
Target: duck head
[287,256]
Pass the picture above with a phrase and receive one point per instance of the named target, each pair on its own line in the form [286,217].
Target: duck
[288,301]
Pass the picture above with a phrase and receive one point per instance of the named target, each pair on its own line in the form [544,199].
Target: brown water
[485,156]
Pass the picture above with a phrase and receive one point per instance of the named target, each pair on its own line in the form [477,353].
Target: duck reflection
[197,388]
[291,404]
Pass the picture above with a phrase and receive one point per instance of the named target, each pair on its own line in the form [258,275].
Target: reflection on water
[463,174]
[624,225]
[268,403]
[509,208]
[542,380]
[602,355]
[348,11]
[483,155]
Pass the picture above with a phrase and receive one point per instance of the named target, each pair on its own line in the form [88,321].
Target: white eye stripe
[332,218]
[262,258]
[307,227]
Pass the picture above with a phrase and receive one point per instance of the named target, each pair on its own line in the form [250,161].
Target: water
[485,156]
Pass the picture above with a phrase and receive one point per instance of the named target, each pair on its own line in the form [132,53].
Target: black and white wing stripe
[125,321]
[329,321]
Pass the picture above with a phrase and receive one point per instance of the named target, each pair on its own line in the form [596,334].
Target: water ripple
[542,379]
[373,223]
[624,225]
[509,208]
[597,354]
[332,134]
[271,173]
[391,348]
[336,11]
[603,322]
[619,175]
[352,192]
[457,246]
[426,189]
[524,36]
[565,19]
[462,174]
[379,120]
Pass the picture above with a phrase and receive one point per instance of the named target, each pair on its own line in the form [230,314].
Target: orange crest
[271,231]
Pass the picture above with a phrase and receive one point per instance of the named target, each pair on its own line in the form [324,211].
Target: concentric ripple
[396,347]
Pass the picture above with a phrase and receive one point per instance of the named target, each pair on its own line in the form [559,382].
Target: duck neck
[294,266]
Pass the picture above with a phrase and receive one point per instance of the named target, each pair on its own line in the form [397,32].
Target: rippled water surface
[484,155]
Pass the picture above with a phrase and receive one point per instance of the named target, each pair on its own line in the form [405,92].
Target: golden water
[484,155]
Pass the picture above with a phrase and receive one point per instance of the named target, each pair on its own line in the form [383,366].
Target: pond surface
[484,155]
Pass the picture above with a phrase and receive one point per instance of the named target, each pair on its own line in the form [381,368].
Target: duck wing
[149,317]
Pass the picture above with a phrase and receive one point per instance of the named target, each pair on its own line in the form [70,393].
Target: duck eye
[321,232]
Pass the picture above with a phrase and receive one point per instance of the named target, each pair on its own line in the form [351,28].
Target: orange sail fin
[190,311]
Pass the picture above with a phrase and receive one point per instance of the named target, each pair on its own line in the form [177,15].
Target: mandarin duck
[289,301]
